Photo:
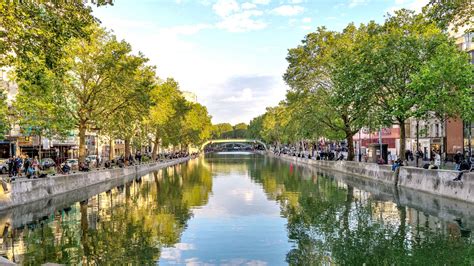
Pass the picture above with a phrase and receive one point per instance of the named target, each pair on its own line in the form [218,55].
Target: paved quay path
[24,191]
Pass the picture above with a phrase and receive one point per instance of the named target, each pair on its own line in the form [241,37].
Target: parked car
[72,163]
[3,166]
[47,163]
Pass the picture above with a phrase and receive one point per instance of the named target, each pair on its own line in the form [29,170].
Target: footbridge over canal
[218,141]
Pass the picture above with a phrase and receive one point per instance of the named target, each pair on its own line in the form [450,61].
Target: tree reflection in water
[331,222]
[126,225]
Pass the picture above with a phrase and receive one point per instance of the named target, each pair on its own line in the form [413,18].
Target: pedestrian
[437,159]
[11,166]
[36,165]
[26,167]
[390,157]
[18,165]
[407,155]
[458,158]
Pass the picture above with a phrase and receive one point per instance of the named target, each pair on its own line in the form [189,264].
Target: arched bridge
[214,141]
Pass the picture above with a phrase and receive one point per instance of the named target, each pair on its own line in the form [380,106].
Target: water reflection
[246,209]
[129,224]
[332,222]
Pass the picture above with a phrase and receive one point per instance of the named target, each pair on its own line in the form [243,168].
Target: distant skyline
[231,53]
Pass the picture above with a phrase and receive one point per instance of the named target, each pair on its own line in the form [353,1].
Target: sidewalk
[6,178]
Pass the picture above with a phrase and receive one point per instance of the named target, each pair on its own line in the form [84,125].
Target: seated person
[66,168]
[84,167]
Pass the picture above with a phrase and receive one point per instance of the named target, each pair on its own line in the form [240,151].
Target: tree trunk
[350,146]
[155,146]
[402,139]
[82,142]
[127,150]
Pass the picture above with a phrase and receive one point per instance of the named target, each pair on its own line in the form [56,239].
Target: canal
[248,209]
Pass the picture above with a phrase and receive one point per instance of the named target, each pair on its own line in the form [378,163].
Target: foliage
[196,125]
[325,77]
[255,128]
[407,48]
[4,123]
[456,13]
[100,81]
[223,130]
[445,84]
[34,35]
[369,76]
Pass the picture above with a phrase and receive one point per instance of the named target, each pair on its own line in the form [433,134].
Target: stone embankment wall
[438,182]
[29,190]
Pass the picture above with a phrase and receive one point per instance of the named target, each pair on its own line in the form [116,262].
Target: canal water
[241,209]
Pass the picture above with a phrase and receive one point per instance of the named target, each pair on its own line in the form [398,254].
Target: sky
[231,53]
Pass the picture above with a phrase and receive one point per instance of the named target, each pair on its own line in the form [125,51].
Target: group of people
[23,166]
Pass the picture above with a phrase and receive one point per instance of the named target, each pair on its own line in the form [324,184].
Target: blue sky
[231,53]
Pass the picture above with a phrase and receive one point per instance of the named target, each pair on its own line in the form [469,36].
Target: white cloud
[225,7]
[306,20]
[248,5]
[354,3]
[288,10]
[243,21]
[249,94]
[415,5]
[295,1]
[245,95]
[236,18]
[261,2]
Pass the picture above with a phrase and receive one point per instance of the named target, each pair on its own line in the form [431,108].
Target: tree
[196,125]
[326,69]
[273,125]
[33,36]
[405,48]
[444,84]
[255,128]
[165,112]
[4,124]
[240,130]
[223,130]
[127,122]
[100,70]
[457,13]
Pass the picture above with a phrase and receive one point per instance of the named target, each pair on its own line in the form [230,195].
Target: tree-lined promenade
[372,76]
[75,76]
